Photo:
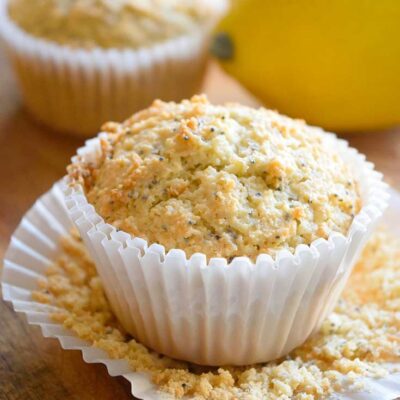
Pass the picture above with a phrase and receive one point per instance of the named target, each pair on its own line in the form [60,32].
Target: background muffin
[206,181]
[220,180]
[83,62]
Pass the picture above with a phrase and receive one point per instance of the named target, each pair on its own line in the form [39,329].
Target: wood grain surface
[31,159]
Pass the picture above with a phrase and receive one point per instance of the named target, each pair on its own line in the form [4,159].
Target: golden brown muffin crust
[222,180]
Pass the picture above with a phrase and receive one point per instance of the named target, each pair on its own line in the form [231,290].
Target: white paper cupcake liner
[219,314]
[77,90]
[34,246]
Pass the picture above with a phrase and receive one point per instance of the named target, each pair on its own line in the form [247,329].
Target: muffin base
[34,246]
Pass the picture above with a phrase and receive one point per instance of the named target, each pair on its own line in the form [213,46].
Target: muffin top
[109,23]
[222,180]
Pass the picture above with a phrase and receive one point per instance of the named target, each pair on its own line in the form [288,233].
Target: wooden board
[31,159]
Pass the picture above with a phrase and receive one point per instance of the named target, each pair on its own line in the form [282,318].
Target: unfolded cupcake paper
[213,313]
[77,90]
[33,248]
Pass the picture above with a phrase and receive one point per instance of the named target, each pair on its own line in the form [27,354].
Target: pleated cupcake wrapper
[217,313]
[34,247]
[77,90]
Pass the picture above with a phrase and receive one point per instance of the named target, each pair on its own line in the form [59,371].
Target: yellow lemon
[335,63]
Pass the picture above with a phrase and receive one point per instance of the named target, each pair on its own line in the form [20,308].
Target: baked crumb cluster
[354,341]
[222,180]
[110,23]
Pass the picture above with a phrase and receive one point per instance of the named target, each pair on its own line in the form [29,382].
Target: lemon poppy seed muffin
[221,180]
[109,23]
[82,62]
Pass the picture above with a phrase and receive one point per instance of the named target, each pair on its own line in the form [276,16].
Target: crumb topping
[222,180]
[110,23]
[356,339]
